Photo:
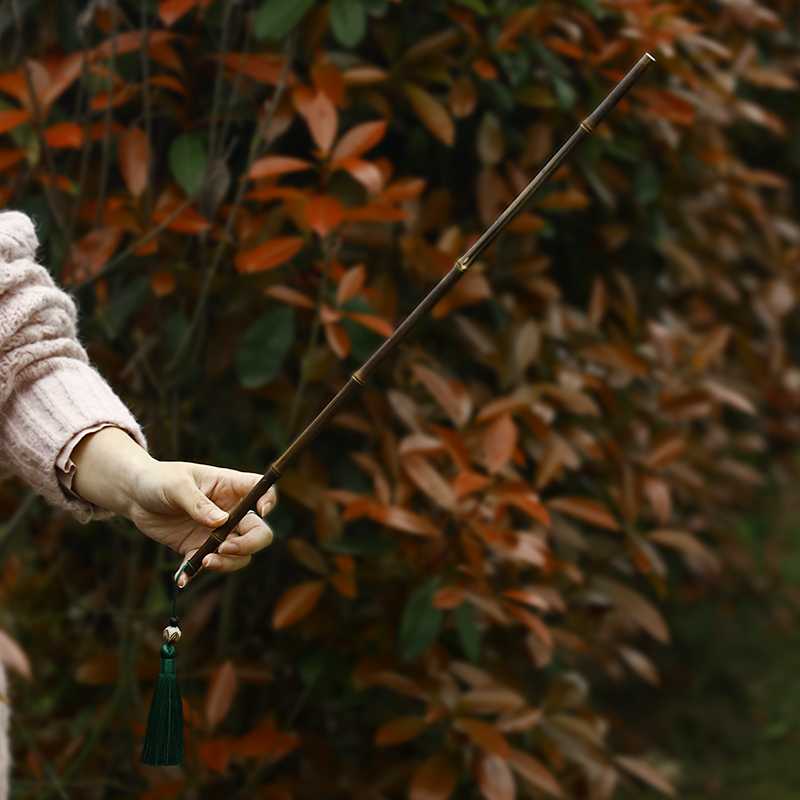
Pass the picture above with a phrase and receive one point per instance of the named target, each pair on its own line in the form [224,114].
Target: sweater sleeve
[48,391]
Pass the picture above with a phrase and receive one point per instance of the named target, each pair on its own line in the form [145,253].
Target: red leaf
[494,777]
[429,480]
[499,443]
[321,117]
[269,255]
[485,736]
[64,134]
[270,744]
[91,253]
[451,396]
[358,140]
[134,160]
[337,338]
[448,597]
[219,697]
[535,772]
[324,214]
[276,165]
[647,773]
[288,295]
[170,11]
[10,157]
[377,324]
[11,118]
[400,730]
[402,519]
[533,623]
[262,67]
[365,172]
[432,113]
[188,221]
[296,603]
[435,779]
[163,282]
[344,583]
[350,284]
[13,656]
[586,511]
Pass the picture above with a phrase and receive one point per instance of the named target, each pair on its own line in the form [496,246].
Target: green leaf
[478,6]
[376,8]
[468,633]
[565,94]
[264,347]
[360,546]
[275,18]
[188,161]
[421,622]
[363,341]
[594,8]
[348,21]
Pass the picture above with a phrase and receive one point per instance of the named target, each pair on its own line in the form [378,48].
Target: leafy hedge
[246,200]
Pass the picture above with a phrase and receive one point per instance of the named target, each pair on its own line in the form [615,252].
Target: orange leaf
[344,583]
[322,120]
[429,480]
[324,214]
[402,519]
[432,114]
[170,11]
[484,68]
[10,157]
[485,736]
[640,610]
[499,442]
[91,253]
[567,200]
[337,338]
[13,656]
[365,172]
[296,603]
[276,165]
[262,67]
[269,744]
[11,118]
[288,295]
[680,540]
[435,778]
[586,511]
[219,697]
[494,777]
[358,140]
[188,221]
[134,160]
[647,773]
[490,700]
[535,772]
[350,284]
[448,597]
[451,396]
[168,82]
[64,134]
[533,623]
[269,255]
[328,78]
[163,282]
[400,730]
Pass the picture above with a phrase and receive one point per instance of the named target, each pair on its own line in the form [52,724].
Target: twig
[134,245]
[212,138]
[148,115]
[255,150]
[305,368]
[112,61]
[37,115]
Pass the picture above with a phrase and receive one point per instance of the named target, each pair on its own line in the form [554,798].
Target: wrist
[109,467]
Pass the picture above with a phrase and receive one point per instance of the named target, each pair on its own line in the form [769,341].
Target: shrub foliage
[246,199]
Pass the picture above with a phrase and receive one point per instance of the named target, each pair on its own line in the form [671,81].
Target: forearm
[109,468]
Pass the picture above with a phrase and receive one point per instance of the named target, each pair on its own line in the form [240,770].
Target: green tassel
[163,741]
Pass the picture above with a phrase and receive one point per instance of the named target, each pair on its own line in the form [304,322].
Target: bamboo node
[463,264]
[586,127]
[357,379]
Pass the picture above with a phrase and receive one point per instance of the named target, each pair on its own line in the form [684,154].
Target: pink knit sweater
[49,395]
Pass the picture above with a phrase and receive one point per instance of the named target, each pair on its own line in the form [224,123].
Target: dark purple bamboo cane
[271,477]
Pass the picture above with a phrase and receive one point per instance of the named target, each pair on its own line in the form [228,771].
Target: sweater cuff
[43,417]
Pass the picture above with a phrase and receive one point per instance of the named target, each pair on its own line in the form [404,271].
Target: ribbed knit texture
[48,391]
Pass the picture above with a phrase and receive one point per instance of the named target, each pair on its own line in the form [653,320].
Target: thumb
[199,507]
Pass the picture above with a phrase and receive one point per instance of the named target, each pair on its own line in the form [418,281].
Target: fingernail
[182,581]
[217,515]
[228,547]
[211,562]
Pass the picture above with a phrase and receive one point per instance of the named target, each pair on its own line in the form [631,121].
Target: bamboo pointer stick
[271,477]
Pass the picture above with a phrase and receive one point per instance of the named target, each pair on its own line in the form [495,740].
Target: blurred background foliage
[548,552]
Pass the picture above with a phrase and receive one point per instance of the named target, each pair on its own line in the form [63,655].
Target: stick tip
[650,57]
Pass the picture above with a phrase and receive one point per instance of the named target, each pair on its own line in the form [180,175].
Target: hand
[173,502]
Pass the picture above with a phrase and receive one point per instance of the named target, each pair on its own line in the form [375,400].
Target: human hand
[173,502]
